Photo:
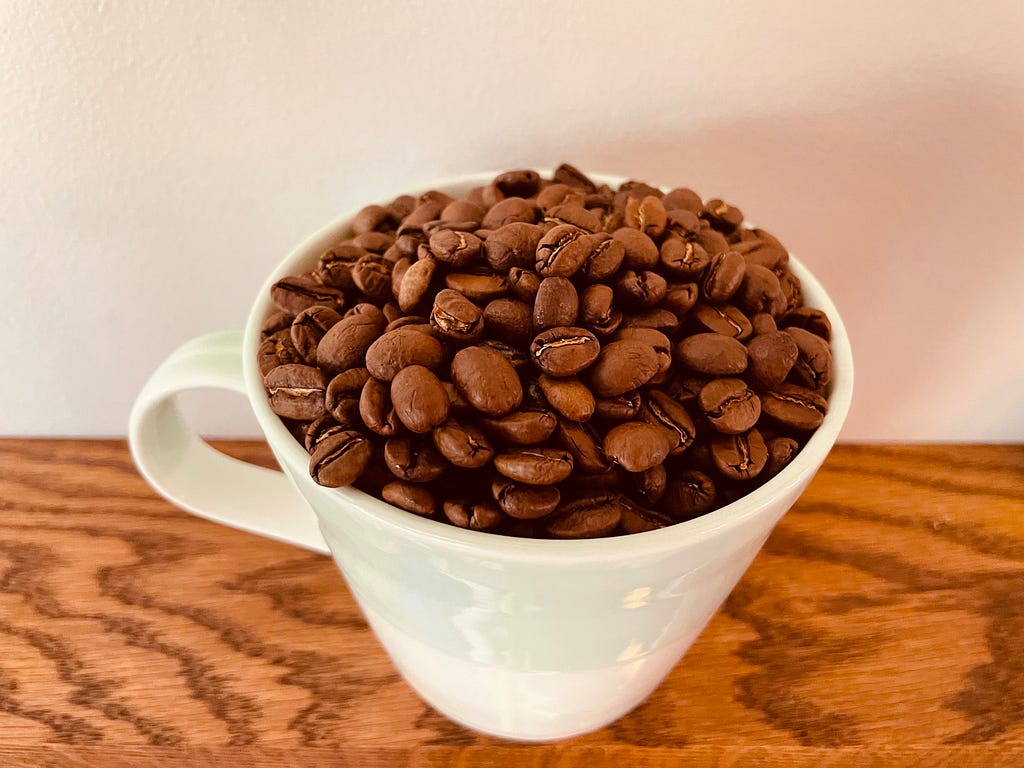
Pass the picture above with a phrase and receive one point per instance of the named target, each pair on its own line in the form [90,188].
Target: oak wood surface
[882,625]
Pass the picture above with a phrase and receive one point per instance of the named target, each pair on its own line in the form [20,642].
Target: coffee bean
[646,214]
[523,284]
[683,224]
[414,283]
[652,338]
[514,245]
[413,459]
[583,442]
[277,350]
[760,291]
[762,323]
[723,276]
[689,494]
[296,391]
[791,289]
[564,351]
[771,356]
[650,485]
[683,199]
[781,451]
[335,265]
[813,366]
[400,348]
[518,183]
[619,408]
[376,409]
[712,353]
[518,359]
[587,518]
[810,319]
[597,311]
[487,380]
[510,320]
[575,215]
[637,519]
[478,516]
[342,396]
[723,217]
[509,211]
[523,427]
[640,289]
[294,294]
[557,303]
[659,319]
[562,251]
[724,319]
[373,218]
[683,259]
[535,466]
[376,242]
[623,366]
[456,317]
[604,256]
[680,298]
[672,416]
[479,287]
[760,248]
[276,321]
[321,428]
[568,396]
[555,195]
[372,276]
[795,407]
[730,405]
[524,502]
[637,446]
[463,444]
[309,327]
[459,249]
[639,250]
[573,177]
[463,211]
[340,459]
[410,497]
[428,210]
[711,241]
[739,457]
[420,401]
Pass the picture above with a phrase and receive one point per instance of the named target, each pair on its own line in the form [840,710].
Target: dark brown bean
[557,303]
[723,217]
[652,338]
[813,366]
[372,275]
[562,251]
[514,245]
[810,319]
[739,457]
[724,319]
[463,211]
[376,242]
[294,294]
[277,350]
[684,259]
[604,256]
[729,405]
[535,466]
[682,199]
[659,319]
[587,518]
[795,407]
[651,484]
[414,282]
[680,298]
[320,429]
[637,446]
[400,348]
[584,444]
[640,289]
[619,408]
[639,250]
[672,416]
[413,459]
[524,183]
[760,291]
[509,320]
[637,519]
[410,497]
[340,459]
[296,391]
[335,266]
[646,214]
[420,401]
[771,356]
[456,317]
[309,327]
[523,284]
[373,218]
[573,177]
[458,249]
[597,310]
[564,351]
[760,248]
[487,380]
[524,502]
[568,396]
[623,366]
[376,409]
[723,276]
[555,195]
[509,211]
[689,494]
[523,427]
[478,516]
[574,215]
[463,444]
[342,397]
[345,345]
[712,353]
[479,286]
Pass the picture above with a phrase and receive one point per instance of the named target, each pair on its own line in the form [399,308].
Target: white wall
[158,158]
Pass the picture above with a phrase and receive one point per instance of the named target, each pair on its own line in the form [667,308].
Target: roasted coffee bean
[791,289]
[689,494]
[372,276]
[535,466]
[650,485]
[435,196]
[646,214]
[340,459]
[377,242]
[276,321]
[763,323]
[479,287]
[510,320]
[583,442]
[296,391]
[391,311]
[683,199]
[294,294]
[597,311]
[587,518]
[637,519]
[619,408]
[557,303]
[509,211]
[683,259]
[662,411]
[402,206]
[420,401]
[277,350]
[426,211]
[712,353]
[335,266]
[568,396]
[376,409]
[760,291]
[795,407]
[309,327]
[519,359]
[723,319]
[739,457]
[771,357]
[810,319]
[683,223]
[639,250]
[680,298]
[410,497]
[575,215]
[514,245]
[476,516]
[564,351]
[659,319]
[524,502]
[813,366]
[555,195]
[723,276]
[760,248]
[637,446]
[456,317]
[573,177]
[562,251]
[723,217]
[487,380]
[729,405]
[373,218]
[523,284]
[342,396]
[605,255]
[711,241]
[640,289]
[518,183]
[463,211]
[652,338]
[463,444]
[639,189]
[781,451]
[345,345]
[414,282]
[459,249]
[413,459]
[623,366]
[314,431]
[523,427]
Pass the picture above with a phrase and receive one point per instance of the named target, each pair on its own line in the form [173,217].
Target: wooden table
[882,625]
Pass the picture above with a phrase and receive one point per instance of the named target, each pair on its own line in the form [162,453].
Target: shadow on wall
[907,208]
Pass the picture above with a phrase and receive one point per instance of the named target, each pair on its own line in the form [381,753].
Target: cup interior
[305,257]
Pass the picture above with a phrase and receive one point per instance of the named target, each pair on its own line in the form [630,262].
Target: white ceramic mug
[532,640]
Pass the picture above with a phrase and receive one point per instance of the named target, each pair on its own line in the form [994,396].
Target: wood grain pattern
[883,624]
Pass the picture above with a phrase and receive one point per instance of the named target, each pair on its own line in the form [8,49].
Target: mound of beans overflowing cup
[549,357]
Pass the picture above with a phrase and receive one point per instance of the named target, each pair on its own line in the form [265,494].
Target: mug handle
[187,471]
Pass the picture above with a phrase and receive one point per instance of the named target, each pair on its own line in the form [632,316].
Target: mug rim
[670,538]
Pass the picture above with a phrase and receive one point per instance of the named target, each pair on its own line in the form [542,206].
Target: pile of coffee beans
[549,357]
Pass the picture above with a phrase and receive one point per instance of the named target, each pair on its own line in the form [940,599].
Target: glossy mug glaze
[532,640]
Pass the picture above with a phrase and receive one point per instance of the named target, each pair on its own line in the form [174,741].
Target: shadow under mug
[531,640]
